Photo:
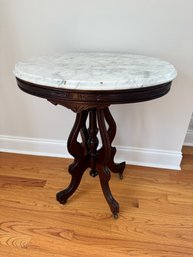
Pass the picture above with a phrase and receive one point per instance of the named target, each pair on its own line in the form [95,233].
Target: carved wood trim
[78,100]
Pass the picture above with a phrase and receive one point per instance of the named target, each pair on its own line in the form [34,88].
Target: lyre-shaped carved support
[114,167]
[103,169]
[86,154]
[81,161]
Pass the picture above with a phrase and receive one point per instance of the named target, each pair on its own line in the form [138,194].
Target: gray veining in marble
[95,71]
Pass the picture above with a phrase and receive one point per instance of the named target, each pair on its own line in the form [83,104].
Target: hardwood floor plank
[156,211]
[21,181]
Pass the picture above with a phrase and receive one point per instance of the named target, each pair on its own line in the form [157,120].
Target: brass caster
[116,216]
[120,176]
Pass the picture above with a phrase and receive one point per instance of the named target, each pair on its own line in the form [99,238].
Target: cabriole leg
[103,162]
[114,167]
[81,160]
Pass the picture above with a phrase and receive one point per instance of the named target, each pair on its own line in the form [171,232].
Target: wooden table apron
[93,105]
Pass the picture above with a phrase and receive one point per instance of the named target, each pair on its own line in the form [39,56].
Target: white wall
[157,28]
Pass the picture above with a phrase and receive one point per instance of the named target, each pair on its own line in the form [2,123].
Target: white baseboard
[150,157]
[189,138]
[58,148]
[34,146]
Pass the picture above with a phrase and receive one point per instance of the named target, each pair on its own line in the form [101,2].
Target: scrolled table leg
[104,175]
[76,169]
[103,170]
[114,167]
[81,159]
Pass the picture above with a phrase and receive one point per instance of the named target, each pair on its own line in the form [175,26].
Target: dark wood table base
[86,155]
[93,105]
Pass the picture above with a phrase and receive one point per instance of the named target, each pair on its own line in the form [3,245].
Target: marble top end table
[88,83]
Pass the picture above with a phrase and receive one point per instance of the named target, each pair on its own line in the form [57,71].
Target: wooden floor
[156,211]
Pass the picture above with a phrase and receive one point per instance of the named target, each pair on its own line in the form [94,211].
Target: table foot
[104,175]
[60,197]
[120,176]
[114,167]
[116,216]
[76,169]
[93,173]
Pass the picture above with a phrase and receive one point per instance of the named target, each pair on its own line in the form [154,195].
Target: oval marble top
[95,71]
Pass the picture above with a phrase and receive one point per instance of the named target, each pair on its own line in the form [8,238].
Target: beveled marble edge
[95,86]
[131,83]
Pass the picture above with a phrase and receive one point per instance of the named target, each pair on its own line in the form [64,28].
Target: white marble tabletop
[95,71]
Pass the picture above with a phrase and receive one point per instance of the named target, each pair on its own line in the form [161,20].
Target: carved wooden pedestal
[86,155]
[93,105]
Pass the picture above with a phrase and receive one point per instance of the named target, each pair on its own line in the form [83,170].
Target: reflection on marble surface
[95,71]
